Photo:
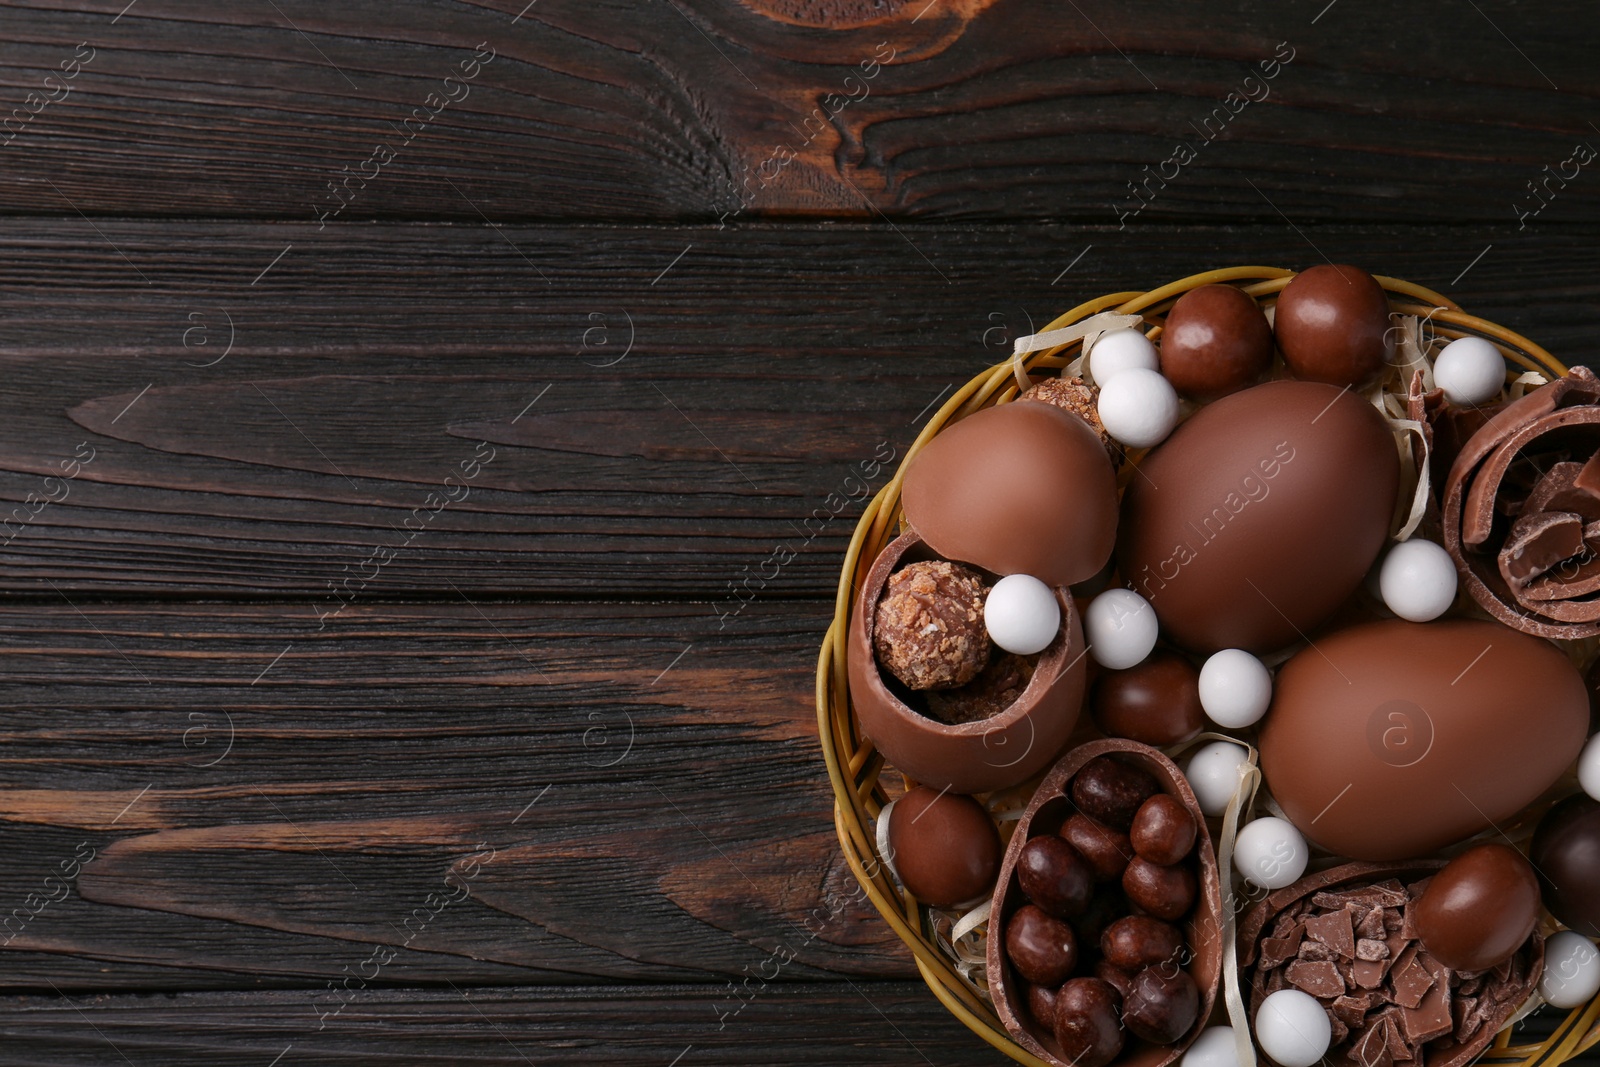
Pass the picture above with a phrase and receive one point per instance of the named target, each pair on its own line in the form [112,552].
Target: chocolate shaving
[1537,462]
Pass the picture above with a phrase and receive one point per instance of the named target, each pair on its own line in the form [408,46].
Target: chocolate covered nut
[1215,341]
[1115,977]
[1162,1004]
[1086,1023]
[1134,942]
[930,630]
[1041,1001]
[1054,876]
[1106,850]
[1043,949]
[1165,892]
[1111,791]
[1155,703]
[1163,830]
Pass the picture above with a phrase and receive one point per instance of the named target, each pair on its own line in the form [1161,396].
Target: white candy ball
[1270,853]
[1213,773]
[1589,767]
[1120,350]
[1292,1028]
[1470,370]
[1022,614]
[1121,627]
[1138,407]
[1571,970]
[1215,1047]
[1235,688]
[1418,580]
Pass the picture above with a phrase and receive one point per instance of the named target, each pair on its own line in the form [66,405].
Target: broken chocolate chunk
[1321,980]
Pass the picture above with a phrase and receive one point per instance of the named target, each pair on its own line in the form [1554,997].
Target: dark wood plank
[785,1025]
[676,110]
[611,791]
[769,371]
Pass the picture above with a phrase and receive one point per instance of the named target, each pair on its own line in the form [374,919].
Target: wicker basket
[854,766]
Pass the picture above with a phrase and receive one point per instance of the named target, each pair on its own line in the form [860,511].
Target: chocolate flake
[1321,980]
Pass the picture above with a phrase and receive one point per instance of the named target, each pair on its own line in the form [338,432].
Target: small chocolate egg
[1156,702]
[1016,489]
[1479,909]
[1566,853]
[1332,325]
[1216,341]
[945,847]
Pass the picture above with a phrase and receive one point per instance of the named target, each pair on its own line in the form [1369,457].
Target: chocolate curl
[1505,536]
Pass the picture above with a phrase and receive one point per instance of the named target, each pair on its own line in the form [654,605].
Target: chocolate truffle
[1216,341]
[930,631]
[1566,853]
[944,846]
[1332,325]
[1479,909]
[994,690]
[1080,398]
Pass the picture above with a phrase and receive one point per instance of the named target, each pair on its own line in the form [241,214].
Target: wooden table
[431,431]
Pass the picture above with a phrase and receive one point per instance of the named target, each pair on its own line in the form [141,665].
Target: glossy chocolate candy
[1215,341]
[945,847]
[1332,325]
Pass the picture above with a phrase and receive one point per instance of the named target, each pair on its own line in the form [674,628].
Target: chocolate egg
[1332,325]
[1022,488]
[945,847]
[965,757]
[1479,909]
[1155,703]
[1259,516]
[1215,341]
[1566,853]
[1393,739]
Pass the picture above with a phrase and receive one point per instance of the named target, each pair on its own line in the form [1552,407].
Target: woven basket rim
[854,766]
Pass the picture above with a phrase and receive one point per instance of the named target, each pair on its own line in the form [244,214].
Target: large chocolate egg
[1393,739]
[1259,516]
[1477,912]
[1332,324]
[967,757]
[1215,341]
[945,847]
[1566,853]
[1023,488]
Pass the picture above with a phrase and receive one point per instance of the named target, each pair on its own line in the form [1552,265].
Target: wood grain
[867,1023]
[724,108]
[682,438]
[609,791]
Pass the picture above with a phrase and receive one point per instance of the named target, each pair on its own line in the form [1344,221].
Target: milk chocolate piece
[1411,981]
[1351,1008]
[1538,541]
[1276,951]
[1588,479]
[1431,1018]
[1368,949]
[1321,980]
[1334,930]
[1372,1047]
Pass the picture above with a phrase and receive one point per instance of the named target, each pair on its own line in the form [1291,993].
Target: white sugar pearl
[1235,688]
[1120,350]
[1022,614]
[1418,580]
[1138,407]
[1213,773]
[1121,627]
[1571,970]
[1270,853]
[1215,1047]
[1293,1029]
[1470,370]
[1589,767]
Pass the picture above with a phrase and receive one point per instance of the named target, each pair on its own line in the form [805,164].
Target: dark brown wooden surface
[408,611]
